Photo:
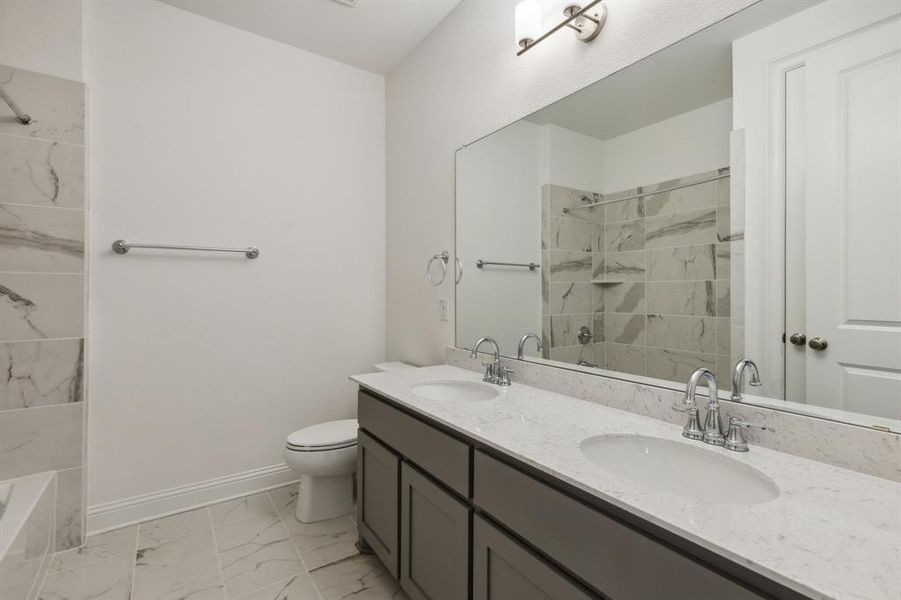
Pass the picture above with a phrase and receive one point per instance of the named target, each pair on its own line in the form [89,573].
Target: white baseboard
[119,513]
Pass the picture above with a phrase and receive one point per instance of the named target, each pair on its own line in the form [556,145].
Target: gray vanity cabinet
[378,478]
[453,520]
[503,569]
[434,540]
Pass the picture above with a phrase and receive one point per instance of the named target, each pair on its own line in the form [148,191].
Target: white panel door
[795,234]
[853,98]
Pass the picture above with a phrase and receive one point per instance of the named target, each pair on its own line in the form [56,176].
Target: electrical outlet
[442,309]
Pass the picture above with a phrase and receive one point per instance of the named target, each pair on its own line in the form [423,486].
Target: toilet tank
[392,366]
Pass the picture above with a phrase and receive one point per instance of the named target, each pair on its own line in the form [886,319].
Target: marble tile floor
[251,548]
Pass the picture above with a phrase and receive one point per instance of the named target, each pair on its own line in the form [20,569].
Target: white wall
[42,36]
[499,200]
[444,95]
[205,134]
[693,142]
[571,159]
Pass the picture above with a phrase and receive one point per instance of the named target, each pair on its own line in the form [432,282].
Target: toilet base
[321,498]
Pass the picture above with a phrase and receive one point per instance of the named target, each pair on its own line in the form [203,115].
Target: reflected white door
[853,166]
[795,234]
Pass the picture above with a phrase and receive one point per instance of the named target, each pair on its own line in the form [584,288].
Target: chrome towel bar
[122,247]
[484,263]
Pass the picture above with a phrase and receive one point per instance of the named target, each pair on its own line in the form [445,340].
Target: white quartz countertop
[832,533]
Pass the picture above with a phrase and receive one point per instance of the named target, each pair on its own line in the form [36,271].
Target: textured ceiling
[373,35]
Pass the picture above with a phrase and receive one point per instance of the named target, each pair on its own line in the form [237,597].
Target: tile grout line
[40,587]
[46,140]
[281,522]
[209,516]
[86,564]
[51,339]
[134,562]
[72,273]
[268,585]
[294,545]
[605,251]
[21,409]
[31,205]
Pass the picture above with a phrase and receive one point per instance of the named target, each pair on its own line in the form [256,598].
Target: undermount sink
[454,390]
[680,468]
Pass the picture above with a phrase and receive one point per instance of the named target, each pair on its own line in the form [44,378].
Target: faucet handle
[503,376]
[692,429]
[735,439]
[490,376]
[739,423]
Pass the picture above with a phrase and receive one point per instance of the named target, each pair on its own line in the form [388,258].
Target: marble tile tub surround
[42,289]
[250,548]
[860,449]
[649,277]
[832,533]
[26,557]
[41,373]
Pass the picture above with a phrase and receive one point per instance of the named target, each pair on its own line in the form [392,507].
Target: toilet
[325,457]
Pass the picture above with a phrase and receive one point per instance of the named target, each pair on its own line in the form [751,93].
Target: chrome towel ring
[444,257]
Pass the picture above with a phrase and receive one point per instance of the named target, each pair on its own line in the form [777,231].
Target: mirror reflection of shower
[679,223]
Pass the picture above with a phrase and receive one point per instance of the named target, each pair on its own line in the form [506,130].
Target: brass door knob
[819,344]
[798,339]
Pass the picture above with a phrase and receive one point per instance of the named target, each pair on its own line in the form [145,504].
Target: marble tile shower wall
[648,277]
[42,289]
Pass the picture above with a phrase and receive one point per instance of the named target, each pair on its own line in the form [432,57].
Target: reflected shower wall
[646,276]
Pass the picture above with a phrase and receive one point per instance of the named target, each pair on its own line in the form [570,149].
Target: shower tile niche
[646,273]
[43,213]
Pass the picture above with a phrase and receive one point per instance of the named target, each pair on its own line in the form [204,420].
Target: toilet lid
[321,435]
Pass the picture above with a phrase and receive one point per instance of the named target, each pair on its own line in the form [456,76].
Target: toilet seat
[332,435]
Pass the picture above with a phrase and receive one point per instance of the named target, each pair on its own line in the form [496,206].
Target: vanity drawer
[440,455]
[613,558]
[504,569]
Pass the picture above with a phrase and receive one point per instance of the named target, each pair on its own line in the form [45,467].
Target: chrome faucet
[712,432]
[738,372]
[713,423]
[522,343]
[494,372]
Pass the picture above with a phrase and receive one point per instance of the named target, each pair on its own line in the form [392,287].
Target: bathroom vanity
[467,490]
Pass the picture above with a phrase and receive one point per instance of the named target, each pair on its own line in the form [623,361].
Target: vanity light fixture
[528,22]
[586,21]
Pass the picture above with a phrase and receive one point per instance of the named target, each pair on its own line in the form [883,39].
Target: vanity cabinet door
[434,540]
[378,481]
[503,569]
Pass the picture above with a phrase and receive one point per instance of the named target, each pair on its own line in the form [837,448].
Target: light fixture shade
[528,22]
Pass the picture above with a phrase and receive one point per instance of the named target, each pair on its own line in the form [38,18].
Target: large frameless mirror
[735,196]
